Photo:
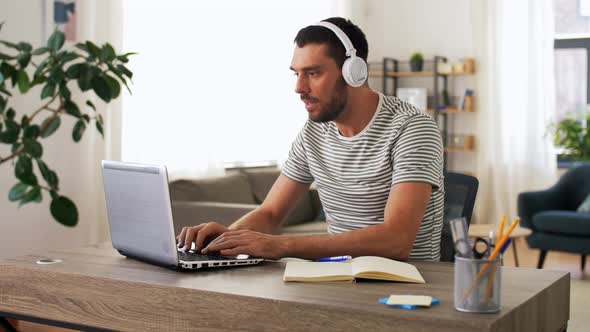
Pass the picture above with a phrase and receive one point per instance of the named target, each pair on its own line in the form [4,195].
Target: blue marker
[335,259]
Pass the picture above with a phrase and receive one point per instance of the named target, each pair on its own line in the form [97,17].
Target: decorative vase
[416,65]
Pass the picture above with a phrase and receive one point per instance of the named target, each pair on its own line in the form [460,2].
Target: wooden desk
[483,230]
[96,288]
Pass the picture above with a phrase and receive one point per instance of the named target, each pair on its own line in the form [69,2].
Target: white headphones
[354,69]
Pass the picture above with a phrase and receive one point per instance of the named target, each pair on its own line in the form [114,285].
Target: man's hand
[201,235]
[247,242]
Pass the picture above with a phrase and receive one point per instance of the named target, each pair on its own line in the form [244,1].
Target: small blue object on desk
[335,259]
[383,300]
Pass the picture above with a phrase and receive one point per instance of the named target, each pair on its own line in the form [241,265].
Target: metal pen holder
[477,284]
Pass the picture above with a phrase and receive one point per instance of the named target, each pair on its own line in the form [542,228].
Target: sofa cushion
[261,180]
[232,188]
[317,227]
[563,222]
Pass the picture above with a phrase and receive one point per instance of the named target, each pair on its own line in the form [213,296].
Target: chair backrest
[574,186]
[460,193]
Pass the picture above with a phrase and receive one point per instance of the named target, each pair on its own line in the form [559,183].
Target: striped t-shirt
[354,175]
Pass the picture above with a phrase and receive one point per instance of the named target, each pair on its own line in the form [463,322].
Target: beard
[330,111]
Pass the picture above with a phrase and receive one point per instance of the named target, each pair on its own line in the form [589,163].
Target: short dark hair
[314,34]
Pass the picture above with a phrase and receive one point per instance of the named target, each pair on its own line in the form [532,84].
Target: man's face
[319,82]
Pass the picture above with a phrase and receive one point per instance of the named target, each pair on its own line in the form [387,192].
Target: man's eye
[312,73]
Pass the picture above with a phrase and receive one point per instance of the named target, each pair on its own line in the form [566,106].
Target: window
[572,51]
[572,55]
[212,83]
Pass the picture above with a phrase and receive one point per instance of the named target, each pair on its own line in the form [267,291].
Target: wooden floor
[579,297]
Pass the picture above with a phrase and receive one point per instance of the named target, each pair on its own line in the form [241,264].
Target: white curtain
[212,83]
[100,22]
[516,100]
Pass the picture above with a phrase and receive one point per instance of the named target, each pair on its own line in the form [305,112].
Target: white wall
[32,228]
[398,28]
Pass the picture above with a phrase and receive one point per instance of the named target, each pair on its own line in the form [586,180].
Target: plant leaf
[64,92]
[48,90]
[33,148]
[107,53]
[78,131]
[74,70]
[56,41]
[50,125]
[114,86]
[87,73]
[23,59]
[23,170]
[23,81]
[33,195]
[72,109]
[93,49]
[64,211]
[9,44]
[41,67]
[32,131]
[89,103]
[24,46]
[17,191]
[101,88]
[99,128]
[125,71]
[10,134]
[6,56]
[40,51]
[68,56]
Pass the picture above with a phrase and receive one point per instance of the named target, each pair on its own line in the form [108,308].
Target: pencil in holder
[477,284]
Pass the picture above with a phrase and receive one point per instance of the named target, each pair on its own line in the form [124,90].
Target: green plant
[573,136]
[94,68]
[417,57]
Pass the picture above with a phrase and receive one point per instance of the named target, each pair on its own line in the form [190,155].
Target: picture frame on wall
[415,96]
[60,14]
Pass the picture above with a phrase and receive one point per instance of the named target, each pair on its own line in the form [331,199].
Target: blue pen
[335,259]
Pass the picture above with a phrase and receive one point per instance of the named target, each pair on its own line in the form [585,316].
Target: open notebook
[365,267]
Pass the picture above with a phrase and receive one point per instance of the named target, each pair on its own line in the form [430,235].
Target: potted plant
[573,136]
[416,62]
[57,70]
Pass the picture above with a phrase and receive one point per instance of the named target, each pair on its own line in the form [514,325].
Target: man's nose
[302,86]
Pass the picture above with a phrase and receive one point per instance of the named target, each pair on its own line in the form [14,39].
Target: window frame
[574,41]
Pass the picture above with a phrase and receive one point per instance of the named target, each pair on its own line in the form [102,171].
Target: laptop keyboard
[194,257]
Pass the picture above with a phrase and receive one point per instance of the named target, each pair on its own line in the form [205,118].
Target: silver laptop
[140,218]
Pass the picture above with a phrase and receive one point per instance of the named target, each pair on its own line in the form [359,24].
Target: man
[376,160]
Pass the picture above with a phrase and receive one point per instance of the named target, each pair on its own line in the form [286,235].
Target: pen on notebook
[334,259]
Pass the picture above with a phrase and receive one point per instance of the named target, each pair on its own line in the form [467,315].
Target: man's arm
[394,238]
[279,201]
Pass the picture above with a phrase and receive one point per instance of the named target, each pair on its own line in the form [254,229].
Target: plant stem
[55,114]
[15,154]
[46,106]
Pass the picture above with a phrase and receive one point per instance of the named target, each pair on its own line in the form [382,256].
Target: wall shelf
[438,69]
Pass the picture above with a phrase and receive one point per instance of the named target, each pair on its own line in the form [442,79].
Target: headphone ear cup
[354,71]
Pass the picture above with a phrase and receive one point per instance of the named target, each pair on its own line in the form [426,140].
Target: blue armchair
[551,215]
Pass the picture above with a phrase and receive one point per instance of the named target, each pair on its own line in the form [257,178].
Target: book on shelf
[466,100]
[363,267]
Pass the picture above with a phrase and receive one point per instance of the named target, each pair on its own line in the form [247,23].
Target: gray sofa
[225,199]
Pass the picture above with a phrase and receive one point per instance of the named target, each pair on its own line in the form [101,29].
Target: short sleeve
[296,167]
[417,154]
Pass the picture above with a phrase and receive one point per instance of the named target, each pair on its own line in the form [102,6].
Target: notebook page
[304,269]
[368,264]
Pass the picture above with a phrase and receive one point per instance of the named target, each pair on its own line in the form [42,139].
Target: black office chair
[460,192]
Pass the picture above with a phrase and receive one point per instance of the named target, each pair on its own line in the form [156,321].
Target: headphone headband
[350,50]
[354,69]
